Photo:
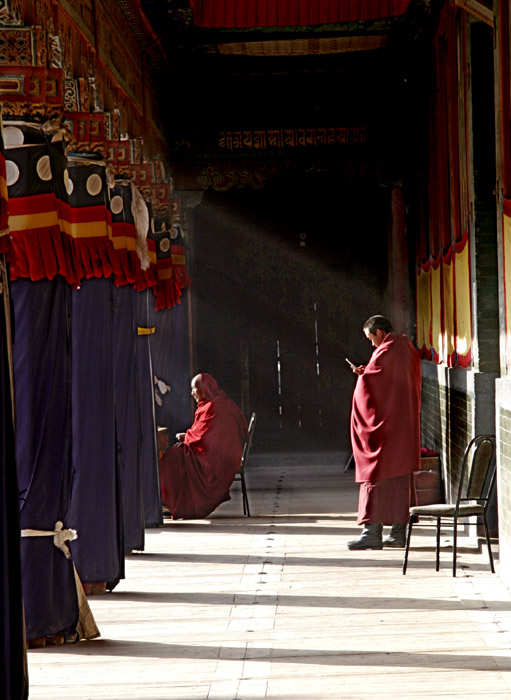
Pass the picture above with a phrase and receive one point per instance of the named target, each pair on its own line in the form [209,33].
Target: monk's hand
[359,370]
[180,437]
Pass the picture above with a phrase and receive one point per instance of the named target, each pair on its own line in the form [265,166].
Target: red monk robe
[197,473]
[385,429]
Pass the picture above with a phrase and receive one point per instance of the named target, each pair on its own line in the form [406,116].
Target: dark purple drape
[13,681]
[169,349]
[144,317]
[96,506]
[128,432]
[42,371]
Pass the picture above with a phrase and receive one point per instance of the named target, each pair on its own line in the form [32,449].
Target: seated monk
[197,472]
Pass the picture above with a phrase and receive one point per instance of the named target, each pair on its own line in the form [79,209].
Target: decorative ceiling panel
[303,47]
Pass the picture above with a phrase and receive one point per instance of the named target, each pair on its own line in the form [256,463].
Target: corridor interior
[275,606]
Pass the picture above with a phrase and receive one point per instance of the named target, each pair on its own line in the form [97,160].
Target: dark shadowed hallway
[283,286]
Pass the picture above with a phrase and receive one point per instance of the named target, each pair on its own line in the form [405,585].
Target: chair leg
[246,508]
[487,535]
[407,545]
[437,553]
[454,545]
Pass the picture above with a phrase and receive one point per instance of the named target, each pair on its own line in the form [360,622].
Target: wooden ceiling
[279,27]
[246,67]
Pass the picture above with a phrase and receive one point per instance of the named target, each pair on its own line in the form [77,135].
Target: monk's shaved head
[197,388]
[378,323]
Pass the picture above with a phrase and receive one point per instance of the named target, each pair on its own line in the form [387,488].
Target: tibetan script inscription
[290,138]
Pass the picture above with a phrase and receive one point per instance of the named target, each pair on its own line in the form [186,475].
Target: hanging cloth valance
[129,237]
[179,266]
[36,173]
[145,247]
[89,218]
[167,291]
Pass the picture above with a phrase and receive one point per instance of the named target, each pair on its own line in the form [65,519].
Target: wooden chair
[240,476]
[477,480]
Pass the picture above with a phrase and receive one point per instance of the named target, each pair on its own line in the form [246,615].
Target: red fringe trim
[4,211]
[46,252]
[180,272]
[5,244]
[132,273]
[95,257]
[167,294]
[146,278]
[465,360]
[459,246]
[167,291]
[42,253]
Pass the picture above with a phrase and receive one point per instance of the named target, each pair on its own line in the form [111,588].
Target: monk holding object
[197,472]
[385,434]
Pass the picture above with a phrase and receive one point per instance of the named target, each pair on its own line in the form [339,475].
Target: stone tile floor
[275,606]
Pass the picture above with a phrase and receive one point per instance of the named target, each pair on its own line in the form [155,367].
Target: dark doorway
[284,278]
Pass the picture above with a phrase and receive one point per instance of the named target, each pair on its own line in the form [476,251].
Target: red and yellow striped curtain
[444,306]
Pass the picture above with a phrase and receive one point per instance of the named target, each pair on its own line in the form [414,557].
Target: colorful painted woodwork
[80,68]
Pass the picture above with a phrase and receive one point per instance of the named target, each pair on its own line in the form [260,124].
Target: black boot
[369,539]
[396,537]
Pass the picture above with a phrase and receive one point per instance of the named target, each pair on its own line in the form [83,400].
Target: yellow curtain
[423,310]
[463,305]
[449,342]
[437,339]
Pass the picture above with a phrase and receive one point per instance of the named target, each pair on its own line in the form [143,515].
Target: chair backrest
[248,442]
[478,470]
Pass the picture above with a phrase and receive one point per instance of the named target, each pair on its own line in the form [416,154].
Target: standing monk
[197,472]
[385,434]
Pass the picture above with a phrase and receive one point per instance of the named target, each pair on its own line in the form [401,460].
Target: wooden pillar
[399,287]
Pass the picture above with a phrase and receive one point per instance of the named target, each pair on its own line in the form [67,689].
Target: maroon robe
[385,428]
[196,474]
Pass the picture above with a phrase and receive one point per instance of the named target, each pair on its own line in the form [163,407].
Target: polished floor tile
[275,606]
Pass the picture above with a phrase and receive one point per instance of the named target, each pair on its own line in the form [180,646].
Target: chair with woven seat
[477,481]
[240,476]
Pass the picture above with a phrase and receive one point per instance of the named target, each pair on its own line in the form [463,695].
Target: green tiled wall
[446,425]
